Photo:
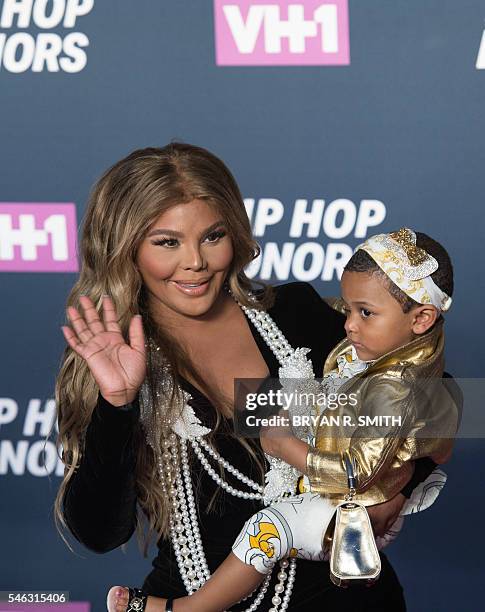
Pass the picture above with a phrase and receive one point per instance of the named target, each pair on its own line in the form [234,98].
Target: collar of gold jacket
[419,351]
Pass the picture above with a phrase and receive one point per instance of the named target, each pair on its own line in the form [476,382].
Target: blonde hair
[123,205]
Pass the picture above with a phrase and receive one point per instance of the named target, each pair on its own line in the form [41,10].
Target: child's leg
[292,528]
[289,528]
[119,598]
[231,582]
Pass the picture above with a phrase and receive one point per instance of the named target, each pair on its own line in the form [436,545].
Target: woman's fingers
[136,335]
[72,340]
[383,515]
[91,315]
[87,326]
[109,315]
[79,324]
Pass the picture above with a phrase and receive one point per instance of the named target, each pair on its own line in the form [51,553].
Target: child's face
[375,322]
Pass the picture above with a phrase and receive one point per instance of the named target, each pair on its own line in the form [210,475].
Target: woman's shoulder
[302,304]
[301,294]
[307,320]
[298,308]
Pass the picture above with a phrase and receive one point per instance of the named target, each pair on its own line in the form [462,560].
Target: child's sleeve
[372,447]
[414,430]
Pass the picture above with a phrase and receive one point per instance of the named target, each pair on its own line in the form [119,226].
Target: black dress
[100,502]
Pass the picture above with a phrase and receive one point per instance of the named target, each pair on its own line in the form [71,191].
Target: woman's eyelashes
[171,243]
[166,242]
[215,235]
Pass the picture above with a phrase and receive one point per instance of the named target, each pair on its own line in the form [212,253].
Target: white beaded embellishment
[175,474]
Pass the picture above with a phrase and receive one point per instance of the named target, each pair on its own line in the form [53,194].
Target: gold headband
[408,266]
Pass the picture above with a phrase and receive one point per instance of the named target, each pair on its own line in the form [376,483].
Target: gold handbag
[354,557]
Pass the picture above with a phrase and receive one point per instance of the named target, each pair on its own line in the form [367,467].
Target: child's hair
[361,261]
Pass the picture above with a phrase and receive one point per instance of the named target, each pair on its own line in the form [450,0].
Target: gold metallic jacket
[403,383]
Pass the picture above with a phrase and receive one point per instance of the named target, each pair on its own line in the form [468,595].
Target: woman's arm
[100,499]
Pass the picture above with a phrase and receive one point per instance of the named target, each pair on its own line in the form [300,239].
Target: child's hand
[272,439]
[279,441]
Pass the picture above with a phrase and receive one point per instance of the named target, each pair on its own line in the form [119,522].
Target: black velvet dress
[100,503]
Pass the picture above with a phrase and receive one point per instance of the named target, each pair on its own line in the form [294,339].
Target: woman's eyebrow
[166,232]
[212,227]
[169,232]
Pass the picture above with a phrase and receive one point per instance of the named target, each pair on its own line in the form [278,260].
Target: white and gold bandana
[408,266]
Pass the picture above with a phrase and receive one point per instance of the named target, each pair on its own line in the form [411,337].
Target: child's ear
[424,317]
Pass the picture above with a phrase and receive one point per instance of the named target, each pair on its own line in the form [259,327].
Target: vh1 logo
[281,32]
[38,237]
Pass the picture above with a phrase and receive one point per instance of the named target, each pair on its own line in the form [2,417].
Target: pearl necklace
[186,540]
[176,481]
[197,443]
[270,332]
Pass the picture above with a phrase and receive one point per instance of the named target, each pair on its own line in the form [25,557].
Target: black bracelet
[169,605]
[137,600]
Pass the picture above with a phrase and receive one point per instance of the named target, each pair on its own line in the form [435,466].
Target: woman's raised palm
[118,368]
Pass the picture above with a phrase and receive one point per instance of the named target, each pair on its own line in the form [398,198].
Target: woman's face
[184,260]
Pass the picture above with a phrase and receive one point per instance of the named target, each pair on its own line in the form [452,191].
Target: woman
[165,242]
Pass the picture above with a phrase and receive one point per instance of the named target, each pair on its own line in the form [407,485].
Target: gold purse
[354,557]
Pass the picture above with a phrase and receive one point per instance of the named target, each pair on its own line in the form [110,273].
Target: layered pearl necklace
[175,474]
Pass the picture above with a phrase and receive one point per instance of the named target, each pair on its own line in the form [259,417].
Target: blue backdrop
[393,136]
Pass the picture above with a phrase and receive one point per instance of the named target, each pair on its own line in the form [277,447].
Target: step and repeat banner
[339,119]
